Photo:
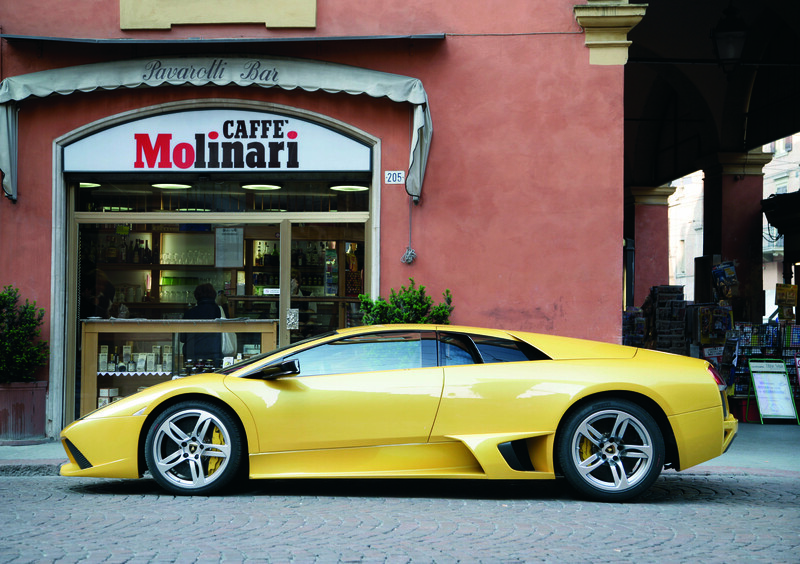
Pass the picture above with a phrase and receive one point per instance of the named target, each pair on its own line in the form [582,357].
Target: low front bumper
[102,448]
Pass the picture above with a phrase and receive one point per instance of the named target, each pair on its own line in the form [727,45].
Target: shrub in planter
[409,305]
[22,350]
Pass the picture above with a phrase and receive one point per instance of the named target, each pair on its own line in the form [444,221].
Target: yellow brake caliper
[586,448]
[215,461]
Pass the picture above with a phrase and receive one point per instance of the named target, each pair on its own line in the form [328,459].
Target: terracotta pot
[22,410]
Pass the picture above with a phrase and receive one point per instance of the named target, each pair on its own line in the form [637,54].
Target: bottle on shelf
[311,255]
[122,253]
[111,249]
[148,253]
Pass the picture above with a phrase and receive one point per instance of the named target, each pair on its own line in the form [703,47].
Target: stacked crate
[668,329]
[633,327]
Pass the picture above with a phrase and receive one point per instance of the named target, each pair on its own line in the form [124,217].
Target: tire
[194,448]
[611,450]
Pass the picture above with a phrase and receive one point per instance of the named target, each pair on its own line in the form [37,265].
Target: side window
[456,350]
[366,353]
[494,349]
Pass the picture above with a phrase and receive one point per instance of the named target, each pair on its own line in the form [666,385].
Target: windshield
[253,359]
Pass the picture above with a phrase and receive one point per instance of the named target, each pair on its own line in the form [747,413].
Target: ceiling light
[261,187]
[349,188]
[169,186]
[89,185]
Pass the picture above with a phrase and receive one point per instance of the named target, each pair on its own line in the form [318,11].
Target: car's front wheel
[611,450]
[194,447]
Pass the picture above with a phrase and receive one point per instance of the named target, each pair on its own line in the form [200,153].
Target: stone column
[651,237]
[732,231]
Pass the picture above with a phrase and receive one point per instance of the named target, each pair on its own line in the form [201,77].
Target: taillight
[718,378]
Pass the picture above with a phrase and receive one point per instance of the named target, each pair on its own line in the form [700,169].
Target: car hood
[564,348]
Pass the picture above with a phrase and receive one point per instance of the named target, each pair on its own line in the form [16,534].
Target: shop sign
[217,140]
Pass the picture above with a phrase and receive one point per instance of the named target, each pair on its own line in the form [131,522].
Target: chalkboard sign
[772,390]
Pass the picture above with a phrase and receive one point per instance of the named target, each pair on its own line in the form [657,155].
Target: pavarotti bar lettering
[253,71]
[269,144]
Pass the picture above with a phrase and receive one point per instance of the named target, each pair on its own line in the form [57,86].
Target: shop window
[150,271]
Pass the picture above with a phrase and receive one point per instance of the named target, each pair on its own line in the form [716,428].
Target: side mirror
[285,368]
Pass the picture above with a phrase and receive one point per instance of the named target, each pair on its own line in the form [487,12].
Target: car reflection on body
[421,401]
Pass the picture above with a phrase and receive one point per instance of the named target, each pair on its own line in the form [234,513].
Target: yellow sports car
[418,401]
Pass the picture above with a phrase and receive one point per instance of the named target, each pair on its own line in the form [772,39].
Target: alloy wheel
[192,447]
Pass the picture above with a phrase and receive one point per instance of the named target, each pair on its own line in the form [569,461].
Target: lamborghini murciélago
[418,401]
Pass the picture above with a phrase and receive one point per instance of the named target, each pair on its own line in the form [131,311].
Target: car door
[376,388]
[492,387]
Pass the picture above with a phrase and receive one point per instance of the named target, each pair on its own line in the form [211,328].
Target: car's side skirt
[452,459]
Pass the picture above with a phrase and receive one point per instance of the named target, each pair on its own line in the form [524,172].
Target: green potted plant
[22,353]
[409,305]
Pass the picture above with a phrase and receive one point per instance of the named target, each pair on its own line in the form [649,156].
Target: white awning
[272,72]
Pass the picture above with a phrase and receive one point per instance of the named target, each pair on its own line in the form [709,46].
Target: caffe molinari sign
[217,140]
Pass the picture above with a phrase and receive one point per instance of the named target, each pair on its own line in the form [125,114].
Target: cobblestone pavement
[705,515]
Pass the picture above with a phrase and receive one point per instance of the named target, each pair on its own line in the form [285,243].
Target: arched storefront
[269,207]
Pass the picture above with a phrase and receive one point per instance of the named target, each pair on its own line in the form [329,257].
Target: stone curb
[30,467]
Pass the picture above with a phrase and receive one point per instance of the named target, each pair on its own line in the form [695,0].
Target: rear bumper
[702,435]
[730,427]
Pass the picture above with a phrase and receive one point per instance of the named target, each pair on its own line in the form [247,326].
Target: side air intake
[81,460]
[516,455]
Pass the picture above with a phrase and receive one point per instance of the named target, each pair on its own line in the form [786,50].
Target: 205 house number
[394,177]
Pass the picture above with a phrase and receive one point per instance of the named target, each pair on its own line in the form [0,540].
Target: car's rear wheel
[194,447]
[611,450]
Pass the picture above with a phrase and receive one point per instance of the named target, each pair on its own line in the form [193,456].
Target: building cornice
[606,24]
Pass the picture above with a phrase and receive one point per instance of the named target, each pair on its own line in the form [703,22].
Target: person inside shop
[200,347]
[97,295]
[222,301]
[302,307]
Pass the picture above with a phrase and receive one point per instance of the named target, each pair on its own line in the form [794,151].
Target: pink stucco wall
[521,212]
